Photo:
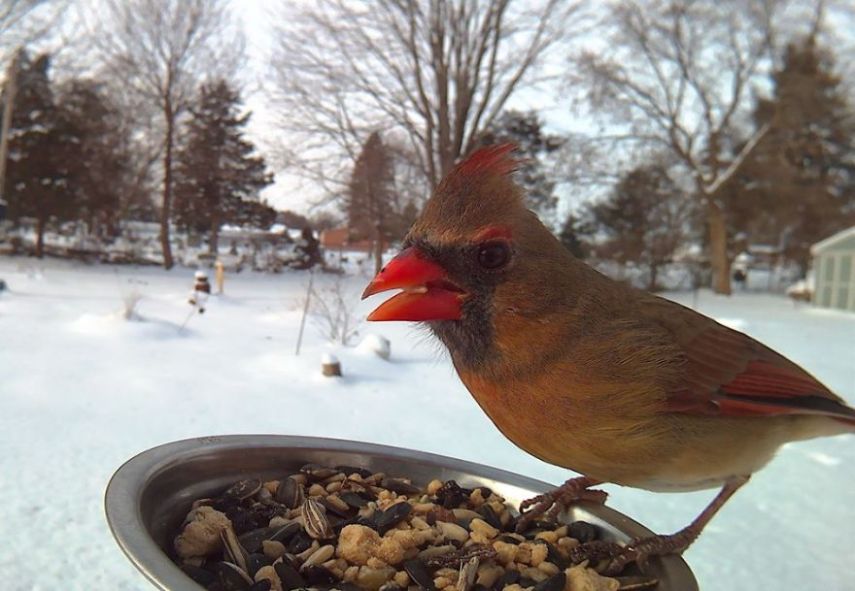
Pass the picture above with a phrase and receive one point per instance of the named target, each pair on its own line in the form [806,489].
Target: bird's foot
[553,502]
[638,551]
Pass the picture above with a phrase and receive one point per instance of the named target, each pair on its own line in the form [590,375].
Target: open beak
[427,295]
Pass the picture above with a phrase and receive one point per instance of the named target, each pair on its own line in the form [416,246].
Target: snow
[82,390]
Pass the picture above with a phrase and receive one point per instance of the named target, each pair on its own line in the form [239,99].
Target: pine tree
[533,146]
[570,237]
[99,164]
[254,214]
[799,185]
[38,178]
[370,202]
[217,175]
[644,220]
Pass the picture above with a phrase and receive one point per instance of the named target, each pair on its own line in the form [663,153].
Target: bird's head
[476,261]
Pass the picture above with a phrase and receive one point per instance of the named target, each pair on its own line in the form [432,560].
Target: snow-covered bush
[131,294]
[130,301]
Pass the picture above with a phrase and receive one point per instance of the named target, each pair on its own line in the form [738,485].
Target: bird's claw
[546,499]
[617,556]
[628,555]
[640,550]
[555,501]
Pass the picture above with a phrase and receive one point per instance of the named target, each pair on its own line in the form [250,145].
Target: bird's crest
[477,189]
[495,159]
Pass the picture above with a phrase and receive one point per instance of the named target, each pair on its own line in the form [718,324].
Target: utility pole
[8,105]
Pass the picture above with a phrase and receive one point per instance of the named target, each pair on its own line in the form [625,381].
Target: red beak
[427,295]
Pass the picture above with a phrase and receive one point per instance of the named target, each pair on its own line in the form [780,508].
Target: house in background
[834,271]
[339,239]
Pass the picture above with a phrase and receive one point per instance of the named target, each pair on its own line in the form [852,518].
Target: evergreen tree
[254,214]
[371,203]
[570,237]
[99,164]
[533,146]
[217,175]
[41,143]
[292,219]
[799,185]
[644,220]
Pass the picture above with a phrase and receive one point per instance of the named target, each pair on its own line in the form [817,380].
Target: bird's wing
[728,373]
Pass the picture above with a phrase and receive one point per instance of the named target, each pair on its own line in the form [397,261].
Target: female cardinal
[585,372]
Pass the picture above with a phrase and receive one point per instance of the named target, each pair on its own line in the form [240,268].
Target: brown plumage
[587,373]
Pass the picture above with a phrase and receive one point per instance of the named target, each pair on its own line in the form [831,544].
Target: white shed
[834,271]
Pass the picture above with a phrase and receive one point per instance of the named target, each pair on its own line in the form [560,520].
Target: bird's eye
[494,254]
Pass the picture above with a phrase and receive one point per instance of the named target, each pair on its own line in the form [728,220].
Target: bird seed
[348,529]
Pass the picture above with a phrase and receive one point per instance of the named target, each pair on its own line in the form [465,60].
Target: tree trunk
[718,249]
[40,236]
[214,238]
[654,272]
[378,253]
[165,212]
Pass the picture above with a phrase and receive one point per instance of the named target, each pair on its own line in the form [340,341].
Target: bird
[587,373]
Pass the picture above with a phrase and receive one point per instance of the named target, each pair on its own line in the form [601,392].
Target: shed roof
[832,241]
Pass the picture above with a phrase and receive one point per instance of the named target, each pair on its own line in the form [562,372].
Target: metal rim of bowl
[124,492]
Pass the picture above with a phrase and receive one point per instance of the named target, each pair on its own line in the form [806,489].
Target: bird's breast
[556,418]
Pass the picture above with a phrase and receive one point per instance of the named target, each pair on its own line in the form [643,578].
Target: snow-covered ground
[82,390]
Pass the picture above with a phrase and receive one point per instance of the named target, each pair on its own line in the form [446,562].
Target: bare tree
[440,71]
[160,51]
[678,75]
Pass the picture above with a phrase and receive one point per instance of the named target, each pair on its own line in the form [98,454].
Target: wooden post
[330,366]
[219,275]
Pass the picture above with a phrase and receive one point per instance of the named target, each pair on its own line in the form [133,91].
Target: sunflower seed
[315,520]
[290,493]
[232,577]
[553,583]
[582,531]
[392,517]
[317,575]
[234,551]
[243,489]
[419,574]
[353,500]
[466,578]
[315,472]
[289,576]
[336,505]
[402,487]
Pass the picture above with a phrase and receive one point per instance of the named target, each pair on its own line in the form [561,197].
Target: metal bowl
[148,497]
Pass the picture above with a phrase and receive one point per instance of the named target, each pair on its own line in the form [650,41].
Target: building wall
[835,276]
